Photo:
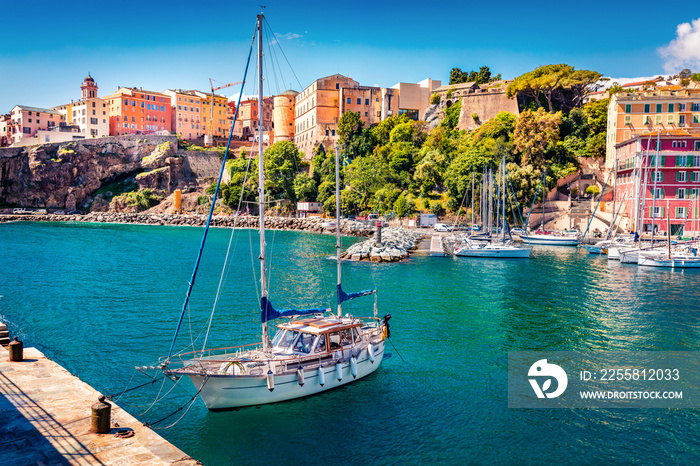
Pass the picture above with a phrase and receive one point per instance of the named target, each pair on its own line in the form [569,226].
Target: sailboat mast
[337,223]
[471,229]
[503,193]
[261,183]
[544,195]
[653,194]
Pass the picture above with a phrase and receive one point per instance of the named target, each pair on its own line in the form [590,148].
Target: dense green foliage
[482,76]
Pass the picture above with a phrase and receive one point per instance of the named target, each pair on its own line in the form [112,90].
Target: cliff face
[67,175]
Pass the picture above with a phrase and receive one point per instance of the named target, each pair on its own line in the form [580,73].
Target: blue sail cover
[267,312]
[343,296]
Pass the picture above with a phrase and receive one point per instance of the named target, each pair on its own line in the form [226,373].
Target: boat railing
[217,352]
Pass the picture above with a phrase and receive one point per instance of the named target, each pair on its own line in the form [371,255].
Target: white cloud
[684,50]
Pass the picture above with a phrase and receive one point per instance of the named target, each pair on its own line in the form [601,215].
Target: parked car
[19,210]
[75,212]
[60,212]
[40,212]
[442,227]
[518,231]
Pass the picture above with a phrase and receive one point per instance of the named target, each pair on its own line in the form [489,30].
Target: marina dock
[45,418]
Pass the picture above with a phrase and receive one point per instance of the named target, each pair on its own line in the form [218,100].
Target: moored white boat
[550,240]
[471,248]
[675,260]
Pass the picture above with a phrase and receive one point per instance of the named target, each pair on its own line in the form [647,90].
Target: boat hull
[221,392]
[548,240]
[592,248]
[505,253]
[673,263]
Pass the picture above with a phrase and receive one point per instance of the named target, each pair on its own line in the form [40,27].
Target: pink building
[670,185]
[26,121]
[5,130]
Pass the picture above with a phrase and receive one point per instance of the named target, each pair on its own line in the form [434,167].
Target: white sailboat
[471,247]
[314,350]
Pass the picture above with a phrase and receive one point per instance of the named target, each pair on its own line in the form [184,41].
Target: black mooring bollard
[101,413]
[16,350]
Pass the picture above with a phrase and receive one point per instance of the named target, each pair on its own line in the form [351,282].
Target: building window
[681,107]
[696,118]
[366,101]
[658,108]
[681,120]
[337,86]
[646,108]
[695,107]
[680,212]
[628,108]
[349,100]
[657,212]
[659,176]
[670,108]
[695,177]
[647,120]
[670,119]
[93,121]
[694,192]
[680,193]
[658,119]
[359,101]
[628,119]
[682,177]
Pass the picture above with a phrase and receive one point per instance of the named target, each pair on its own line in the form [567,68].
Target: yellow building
[665,108]
[215,123]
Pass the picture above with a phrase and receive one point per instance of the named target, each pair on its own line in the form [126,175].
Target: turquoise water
[101,299]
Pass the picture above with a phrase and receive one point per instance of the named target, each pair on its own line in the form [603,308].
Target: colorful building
[670,184]
[135,111]
[26,121]
[248,116]
[214,119]
[666,108]
[188,120]
[88,115]
[5,130]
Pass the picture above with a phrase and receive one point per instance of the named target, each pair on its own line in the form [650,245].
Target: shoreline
[312,225]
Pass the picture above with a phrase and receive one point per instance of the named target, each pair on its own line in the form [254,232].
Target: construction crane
[211,119]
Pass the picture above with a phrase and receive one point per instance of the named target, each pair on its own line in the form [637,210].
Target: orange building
[248,115]
[135,111]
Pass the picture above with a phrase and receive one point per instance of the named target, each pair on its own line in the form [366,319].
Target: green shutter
[689,161]
[678,176]
[661,176]
[662,161]
[662,211]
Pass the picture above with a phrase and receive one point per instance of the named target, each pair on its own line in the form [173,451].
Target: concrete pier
[45,420]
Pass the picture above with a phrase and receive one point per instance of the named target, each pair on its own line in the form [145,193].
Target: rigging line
[228,252]
[397,351]
[191,402]
[284,55]
[213,204]
[516,199]
[127,384]
[158,397]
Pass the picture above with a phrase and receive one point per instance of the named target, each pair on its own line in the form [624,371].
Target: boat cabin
[318,335]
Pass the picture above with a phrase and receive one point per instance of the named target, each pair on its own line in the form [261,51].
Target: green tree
[402,132]
[550,81]
[534,132]
[483,76]
[400,206]
[282,164]
[451,119]
[593,190]
[305,188]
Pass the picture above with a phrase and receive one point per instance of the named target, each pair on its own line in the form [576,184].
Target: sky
[49,47]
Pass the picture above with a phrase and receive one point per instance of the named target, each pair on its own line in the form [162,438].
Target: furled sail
[267,312]
[343,296]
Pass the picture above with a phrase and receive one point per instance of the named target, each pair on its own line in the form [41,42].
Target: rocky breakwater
[395,246]
[313,225]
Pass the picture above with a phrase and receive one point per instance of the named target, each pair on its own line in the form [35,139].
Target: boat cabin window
[321,344]
[304,343]
[334,340]
[346,337]
[285,338]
